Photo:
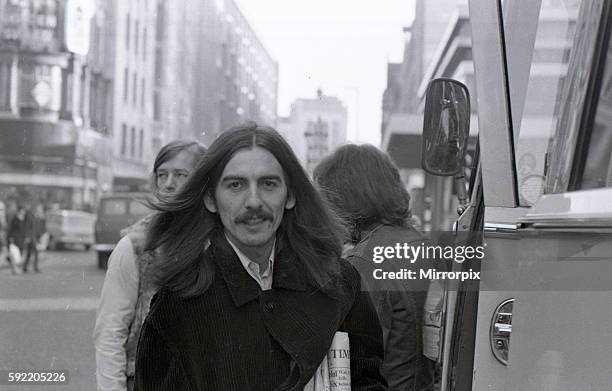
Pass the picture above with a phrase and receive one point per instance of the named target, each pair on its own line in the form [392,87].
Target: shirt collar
[246,261]
[242,287]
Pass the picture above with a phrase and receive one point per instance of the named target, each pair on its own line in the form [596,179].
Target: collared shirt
[264,280]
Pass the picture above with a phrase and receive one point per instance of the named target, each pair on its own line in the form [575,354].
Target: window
[158,65]
[159,23]
[136,33]
[113,207]
[547,79]
[141,143]
[123,139]
[142,94]
[5,86]
[126,82]
[144,44]
[133,142]
[94,96]
[135,88]
[127,32]
[156,106]
[597,170]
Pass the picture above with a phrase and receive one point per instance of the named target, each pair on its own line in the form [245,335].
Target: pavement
[47,318]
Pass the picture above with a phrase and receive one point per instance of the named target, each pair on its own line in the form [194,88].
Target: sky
[340,46]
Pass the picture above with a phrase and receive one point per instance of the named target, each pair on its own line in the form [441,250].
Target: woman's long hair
[364,186]
[184,227]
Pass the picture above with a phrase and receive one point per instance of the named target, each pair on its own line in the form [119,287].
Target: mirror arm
[462,196]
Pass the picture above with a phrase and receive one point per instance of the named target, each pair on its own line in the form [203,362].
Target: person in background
[20,233]
[256,289]
[128,286]
[364,186]
[36,226]
[3,229]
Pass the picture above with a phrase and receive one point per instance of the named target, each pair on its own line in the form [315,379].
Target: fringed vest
[146,289]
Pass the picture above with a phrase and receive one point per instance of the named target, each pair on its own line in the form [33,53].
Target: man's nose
[253,198]
[169,184]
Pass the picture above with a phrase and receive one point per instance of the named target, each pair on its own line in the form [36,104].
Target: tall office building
[236,78]
[176,53]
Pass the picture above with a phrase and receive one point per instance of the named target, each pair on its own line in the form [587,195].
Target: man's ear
[209,202]
[290,201]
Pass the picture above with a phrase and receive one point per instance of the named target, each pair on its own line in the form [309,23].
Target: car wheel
[103,259]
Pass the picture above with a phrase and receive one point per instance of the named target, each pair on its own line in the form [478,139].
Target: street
[47,318]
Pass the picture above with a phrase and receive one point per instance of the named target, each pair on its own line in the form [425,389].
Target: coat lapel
[242,287]
[301,319]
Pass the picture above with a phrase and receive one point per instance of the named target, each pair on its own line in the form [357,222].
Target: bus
[540,201]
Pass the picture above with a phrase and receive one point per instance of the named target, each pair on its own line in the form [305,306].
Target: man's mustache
[253,214]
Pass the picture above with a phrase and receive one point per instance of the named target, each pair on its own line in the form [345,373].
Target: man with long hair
[252,285]
[128,285]
[364,186]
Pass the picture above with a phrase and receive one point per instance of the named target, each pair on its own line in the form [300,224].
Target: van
[540,200]
[116,212]
[70,227]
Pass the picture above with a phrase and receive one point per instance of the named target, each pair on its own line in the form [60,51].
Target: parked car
[68,227]
[115,212]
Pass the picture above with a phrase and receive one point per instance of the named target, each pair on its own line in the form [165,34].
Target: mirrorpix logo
[411,254]
[425,274]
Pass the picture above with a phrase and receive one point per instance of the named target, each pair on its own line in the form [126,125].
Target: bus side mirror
[446,127]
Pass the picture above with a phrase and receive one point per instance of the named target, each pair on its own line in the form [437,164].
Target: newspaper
[334,373]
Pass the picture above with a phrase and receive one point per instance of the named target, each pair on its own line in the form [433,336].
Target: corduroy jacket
[237,337]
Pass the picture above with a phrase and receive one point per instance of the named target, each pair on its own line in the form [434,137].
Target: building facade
[133,35]
[55,93]
[315,127]
[176,53]
[236,78]
[438,44]
[91,90]
[441,33]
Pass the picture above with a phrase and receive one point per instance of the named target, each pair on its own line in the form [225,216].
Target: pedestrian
[35,227]
[364,186]
[256,289]
[128,286]
[3,229]
[17,236]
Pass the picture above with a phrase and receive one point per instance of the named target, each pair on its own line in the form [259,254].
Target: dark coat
[237,337]
[20,229]
[399,304]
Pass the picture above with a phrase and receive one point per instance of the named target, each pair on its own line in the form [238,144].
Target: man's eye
[234,185]
[182,175]
[161,175]
[270,184]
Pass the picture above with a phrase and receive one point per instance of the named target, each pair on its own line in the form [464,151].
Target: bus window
[548,71]
[598,164]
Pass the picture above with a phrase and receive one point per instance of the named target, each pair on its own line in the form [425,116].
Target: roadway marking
[50,304]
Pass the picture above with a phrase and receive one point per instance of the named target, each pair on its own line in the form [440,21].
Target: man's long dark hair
[184,227]
[364,186]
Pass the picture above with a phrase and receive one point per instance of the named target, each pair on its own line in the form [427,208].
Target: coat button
[269,306]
